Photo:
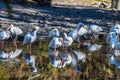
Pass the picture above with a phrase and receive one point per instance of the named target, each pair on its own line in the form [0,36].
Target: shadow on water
[20,64]
[61,14]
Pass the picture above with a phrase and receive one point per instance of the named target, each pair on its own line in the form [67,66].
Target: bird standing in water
[54,33]
[4,35]
[15,31]
[30,37]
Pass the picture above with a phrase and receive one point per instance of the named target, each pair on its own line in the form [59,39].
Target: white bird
[30,37]
[74,33]
[67,40]
[30,60]
[55,43]
[4,35]
[83,30]
[92,47]
[94,29]
[15,31]
[54,33]
[116,26]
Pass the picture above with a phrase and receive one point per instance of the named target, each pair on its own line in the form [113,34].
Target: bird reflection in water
[14,56]
[5,54]
[30,60]
[114,58]
[63,59]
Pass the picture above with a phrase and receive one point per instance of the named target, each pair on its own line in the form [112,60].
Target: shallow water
[96,67]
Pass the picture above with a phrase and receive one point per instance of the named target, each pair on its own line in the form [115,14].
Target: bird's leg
[62,62]
[118,37]
[54,49]
[30,47]
[78,42]
[2,42]
[93,37]
[15,42]
[110,51]
[55,52]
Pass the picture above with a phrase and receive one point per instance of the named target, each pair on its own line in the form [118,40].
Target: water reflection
[92,47]
[115,58]
[30,60]
[66,58]
[13,55]
[4,54]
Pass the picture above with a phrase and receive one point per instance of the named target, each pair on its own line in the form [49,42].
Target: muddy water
[96,67]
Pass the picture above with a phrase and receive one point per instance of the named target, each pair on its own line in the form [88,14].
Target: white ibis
[4,35]
[94,29]
[74,33]
[15,31]
[30,37]
[67,40]
[55,43]
[116,26]
[54,33]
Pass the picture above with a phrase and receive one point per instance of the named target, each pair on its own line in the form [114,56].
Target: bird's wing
[68,41]
[27,38]
[51,33]
[74,35]
[4,35]
[82,31]
[52,43]
[16,31]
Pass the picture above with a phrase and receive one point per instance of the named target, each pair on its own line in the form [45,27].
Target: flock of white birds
[60,59]
[11,30]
